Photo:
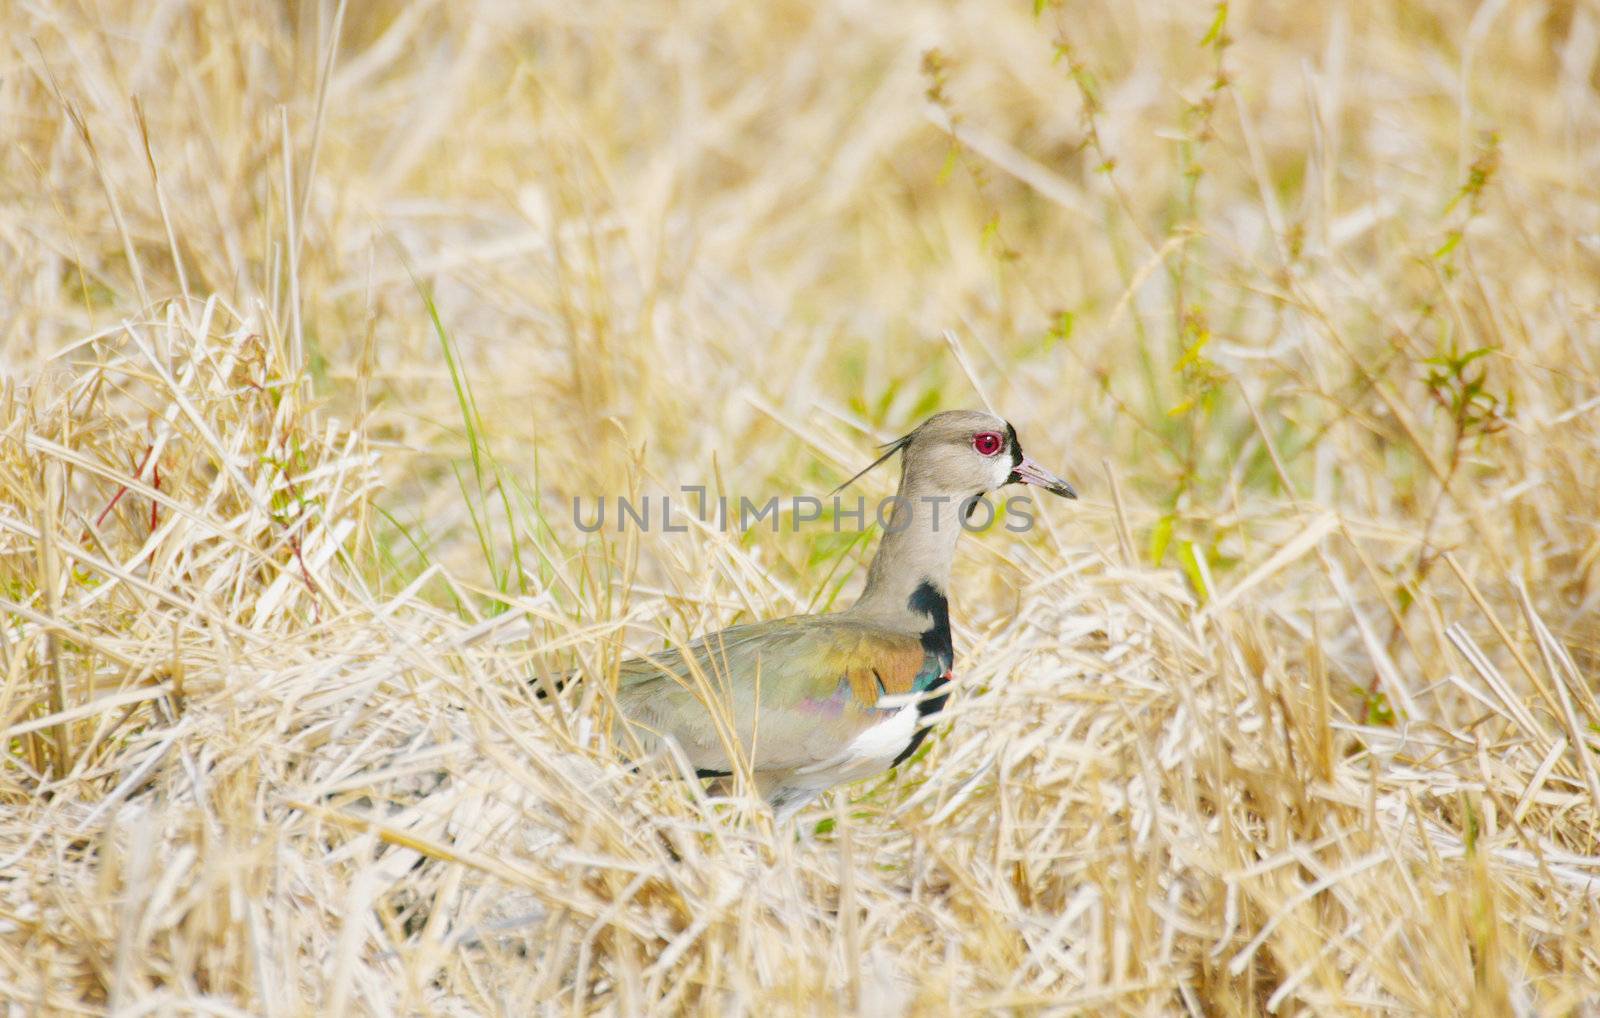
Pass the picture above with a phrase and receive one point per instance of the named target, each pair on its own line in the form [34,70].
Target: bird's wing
[792,692]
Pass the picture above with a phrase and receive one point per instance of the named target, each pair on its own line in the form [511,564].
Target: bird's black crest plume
[892,448]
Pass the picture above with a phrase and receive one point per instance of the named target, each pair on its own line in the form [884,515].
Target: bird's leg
[785,800]
[719,788]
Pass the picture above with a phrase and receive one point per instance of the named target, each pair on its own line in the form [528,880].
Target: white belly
[888,738]
[871,751]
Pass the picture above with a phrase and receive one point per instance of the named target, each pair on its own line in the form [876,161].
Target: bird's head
[962,453]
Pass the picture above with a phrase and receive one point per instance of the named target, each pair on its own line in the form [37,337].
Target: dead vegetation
[307,350]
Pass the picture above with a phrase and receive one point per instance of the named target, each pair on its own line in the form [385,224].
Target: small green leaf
[1160,537]
[1061,328]
[1404,596]
[991,231]
[1189,558]
[1215,31]
[1194,355]
[1379,713]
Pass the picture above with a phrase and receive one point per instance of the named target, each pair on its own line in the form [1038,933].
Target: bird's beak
[1029,472]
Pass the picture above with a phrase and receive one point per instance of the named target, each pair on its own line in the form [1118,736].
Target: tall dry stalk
[315,319]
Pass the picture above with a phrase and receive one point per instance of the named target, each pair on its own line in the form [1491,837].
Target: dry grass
[1294,713]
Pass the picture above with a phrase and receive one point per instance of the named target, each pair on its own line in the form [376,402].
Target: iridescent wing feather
[795,692]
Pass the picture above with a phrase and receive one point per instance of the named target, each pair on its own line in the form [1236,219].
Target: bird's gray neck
[910,575]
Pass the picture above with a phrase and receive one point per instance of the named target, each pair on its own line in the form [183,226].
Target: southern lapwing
[812,701]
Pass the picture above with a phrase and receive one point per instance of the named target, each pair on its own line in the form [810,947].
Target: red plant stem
[123,489]
[305,574]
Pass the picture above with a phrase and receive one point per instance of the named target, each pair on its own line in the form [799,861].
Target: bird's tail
[545,686]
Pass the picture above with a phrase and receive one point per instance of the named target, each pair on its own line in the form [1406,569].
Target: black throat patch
[938,648]
[1016,453]
[930,601]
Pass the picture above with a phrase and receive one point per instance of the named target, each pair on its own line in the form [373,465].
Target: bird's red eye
[987,442]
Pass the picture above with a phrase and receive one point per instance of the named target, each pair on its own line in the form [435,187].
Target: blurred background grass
[1243,265]
[1138,220]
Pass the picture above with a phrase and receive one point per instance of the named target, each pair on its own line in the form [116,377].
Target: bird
[818,700]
